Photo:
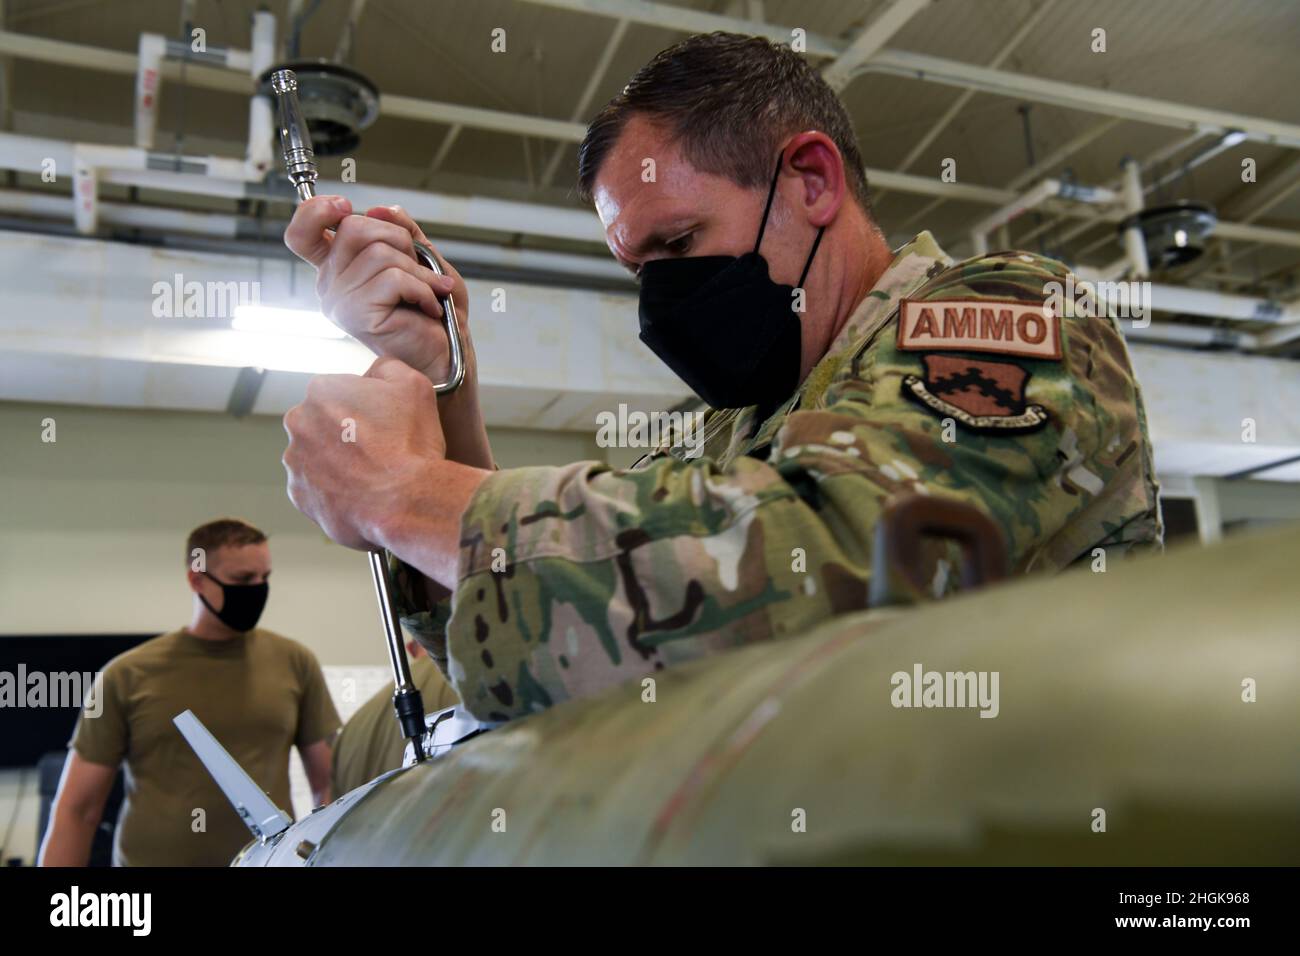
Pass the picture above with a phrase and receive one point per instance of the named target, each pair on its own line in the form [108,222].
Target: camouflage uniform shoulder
[986,346]
[1011,274]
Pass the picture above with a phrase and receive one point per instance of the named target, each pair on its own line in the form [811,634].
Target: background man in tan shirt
[259,694]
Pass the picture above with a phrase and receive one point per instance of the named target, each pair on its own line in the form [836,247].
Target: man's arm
[78,808]
[318,725]
[316,760]
[572,579]
[372,287]
[98,747]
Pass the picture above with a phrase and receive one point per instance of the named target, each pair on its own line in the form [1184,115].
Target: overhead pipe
[261,123]
[89,57]
[154,49]
[1190,336]
[148,80]
[232,179]
[219,177]
[44,205]
[1164,298]
[91,160]
[1150,162]
[1199,158]
[51,206]
[1135,246]
[347,36]
[1223,305]
[1046,189]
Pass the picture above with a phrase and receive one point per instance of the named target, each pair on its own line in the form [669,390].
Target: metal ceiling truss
[846,59]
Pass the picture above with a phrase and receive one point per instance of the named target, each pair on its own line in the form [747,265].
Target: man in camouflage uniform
[531,586]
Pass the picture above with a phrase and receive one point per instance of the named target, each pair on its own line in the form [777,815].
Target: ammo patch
[981,395]
[992,326]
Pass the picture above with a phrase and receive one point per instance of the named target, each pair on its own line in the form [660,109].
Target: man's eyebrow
[657,236]
[663,231]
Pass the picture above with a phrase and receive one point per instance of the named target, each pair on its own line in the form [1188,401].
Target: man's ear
[195,579]
[815,158]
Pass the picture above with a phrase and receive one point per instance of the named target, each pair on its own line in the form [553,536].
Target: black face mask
[242,604]
[723,325]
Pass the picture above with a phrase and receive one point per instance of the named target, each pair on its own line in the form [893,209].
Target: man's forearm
[69,839]
[422,527]
[463,427]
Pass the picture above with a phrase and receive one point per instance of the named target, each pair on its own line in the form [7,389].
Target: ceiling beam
[959,104]
[869,40]
[911,65]
[25,46]
[686,20]
[588,94]
[933,69]
[893,62]
[939,125]
[477,117]
[348,35]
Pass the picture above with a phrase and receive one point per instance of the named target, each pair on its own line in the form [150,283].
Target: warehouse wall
[93,525]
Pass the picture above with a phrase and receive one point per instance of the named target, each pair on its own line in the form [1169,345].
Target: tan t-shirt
[259,694]
[371,743]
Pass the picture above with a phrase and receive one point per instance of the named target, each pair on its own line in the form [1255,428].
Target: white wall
[93,525]
[78,325]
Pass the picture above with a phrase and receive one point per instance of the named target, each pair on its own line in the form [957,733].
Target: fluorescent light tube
[265,318]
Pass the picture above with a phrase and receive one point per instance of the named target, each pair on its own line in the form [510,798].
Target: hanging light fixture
[1176,233]
[337,101]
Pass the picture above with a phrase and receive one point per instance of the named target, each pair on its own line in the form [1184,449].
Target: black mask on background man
[723,325]
[242,604]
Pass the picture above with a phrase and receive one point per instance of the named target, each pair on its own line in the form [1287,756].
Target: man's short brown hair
[728,100]
[222,533]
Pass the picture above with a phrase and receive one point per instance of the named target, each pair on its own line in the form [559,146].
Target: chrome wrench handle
[300,165]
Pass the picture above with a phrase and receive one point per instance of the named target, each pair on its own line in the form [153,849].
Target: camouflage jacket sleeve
[576,578]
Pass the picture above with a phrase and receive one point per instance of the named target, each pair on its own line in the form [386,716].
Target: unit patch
[982,395]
